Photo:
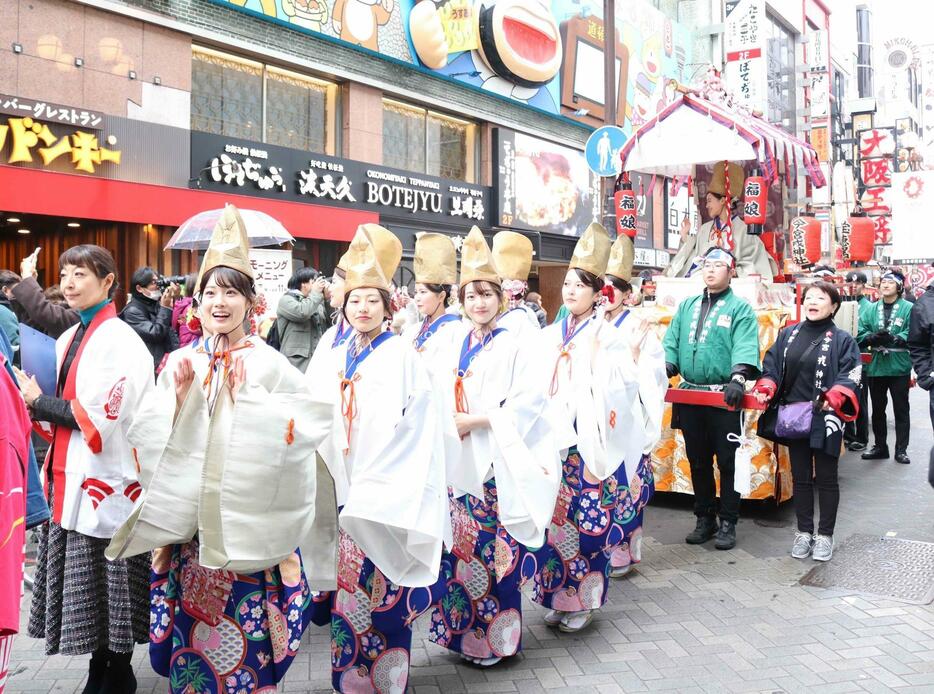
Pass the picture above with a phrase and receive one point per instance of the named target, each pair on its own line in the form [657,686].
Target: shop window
[228,95]
[416,139]
[780,67]
[297,111]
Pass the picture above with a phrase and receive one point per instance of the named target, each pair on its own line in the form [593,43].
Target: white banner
[272,269]
[744,48]
[912,199]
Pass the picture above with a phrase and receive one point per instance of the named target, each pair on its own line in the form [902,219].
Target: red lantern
[858,237]
[805,240]
[755,194]
[624,202]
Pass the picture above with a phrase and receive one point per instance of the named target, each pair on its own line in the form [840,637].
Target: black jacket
[153,323]
[921,338]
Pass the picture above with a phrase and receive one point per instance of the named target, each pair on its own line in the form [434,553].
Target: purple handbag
[794,420]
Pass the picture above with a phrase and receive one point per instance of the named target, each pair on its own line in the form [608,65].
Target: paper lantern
[858,237]
[624,202]
[755,194]
[805,240]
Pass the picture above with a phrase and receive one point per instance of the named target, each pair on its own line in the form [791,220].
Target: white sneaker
[823,548]
[620,571]
[804,543]
[554,618]
[575,621]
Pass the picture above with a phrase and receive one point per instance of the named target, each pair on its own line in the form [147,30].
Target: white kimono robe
[95,478]
[522,324]
[595,382]
[388,462]
[520,450]
[244,476]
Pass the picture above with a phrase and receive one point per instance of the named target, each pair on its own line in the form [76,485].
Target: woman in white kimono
[82,602]
[505,485]
[229,597]
[388,464]
[435,275]
[595,384]
[512,253]
[634,492]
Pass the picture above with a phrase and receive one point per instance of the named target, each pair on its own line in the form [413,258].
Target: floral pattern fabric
[217,632]
[479,613]
[570,571]
[371,625]
[631,500]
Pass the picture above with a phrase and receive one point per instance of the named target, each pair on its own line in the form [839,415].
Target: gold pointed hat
[512,254]
[718,181]
[622,257]
[435,259]
[477,260]
[372,258]
[229,245]
[592,250]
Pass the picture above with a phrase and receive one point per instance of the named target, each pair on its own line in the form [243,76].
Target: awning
[692,131]
[33,191]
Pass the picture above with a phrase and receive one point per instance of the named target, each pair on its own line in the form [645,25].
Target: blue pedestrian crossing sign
[603,148]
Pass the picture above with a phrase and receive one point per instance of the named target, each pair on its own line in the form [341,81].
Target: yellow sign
[459,27]
[26,134]
[820,141]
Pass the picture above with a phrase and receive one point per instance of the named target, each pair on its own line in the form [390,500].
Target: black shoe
[876,453]
[902,458]
[726,535]
[97,669]
[856,446]
[706,528]
[119,678]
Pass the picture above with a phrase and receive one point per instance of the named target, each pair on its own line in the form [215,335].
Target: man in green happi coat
[883,329]
[713,342]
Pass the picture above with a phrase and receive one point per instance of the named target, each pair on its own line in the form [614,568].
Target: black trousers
[858,430]
[810,468]
[705,430]
[931,395]
[879,388]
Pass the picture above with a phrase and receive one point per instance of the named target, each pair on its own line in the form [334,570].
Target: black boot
[97,668]
[726,535]
[120,678]
[876,453]
[706,528]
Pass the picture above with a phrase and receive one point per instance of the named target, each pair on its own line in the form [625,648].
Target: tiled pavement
[690,620]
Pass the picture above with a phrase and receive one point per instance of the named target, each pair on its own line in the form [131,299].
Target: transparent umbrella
[195,233]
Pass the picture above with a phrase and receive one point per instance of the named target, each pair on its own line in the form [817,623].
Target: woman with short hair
[810,379]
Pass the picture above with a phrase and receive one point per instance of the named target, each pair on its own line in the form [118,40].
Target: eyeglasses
[716,265]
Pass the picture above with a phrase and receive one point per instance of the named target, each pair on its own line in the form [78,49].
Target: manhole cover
[900,569]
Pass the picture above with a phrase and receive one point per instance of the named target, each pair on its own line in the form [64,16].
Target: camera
[167,280]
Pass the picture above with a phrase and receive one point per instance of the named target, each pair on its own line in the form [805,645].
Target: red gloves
[766,386]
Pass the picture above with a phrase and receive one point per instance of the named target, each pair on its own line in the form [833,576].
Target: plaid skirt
[81,601]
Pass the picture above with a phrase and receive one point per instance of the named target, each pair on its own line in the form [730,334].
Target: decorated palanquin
[771,475]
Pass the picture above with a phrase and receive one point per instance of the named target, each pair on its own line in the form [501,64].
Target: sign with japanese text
[912,198]
[820,141]
[219,163]
[744,46]
[818,59]
[543,186]
[875,168]
[50,113]
[26,140]
[272,269]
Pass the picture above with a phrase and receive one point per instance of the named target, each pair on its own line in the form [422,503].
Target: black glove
[925,382]
[886,339]
[876,339]
[898,342]
[671,369]
[733,394]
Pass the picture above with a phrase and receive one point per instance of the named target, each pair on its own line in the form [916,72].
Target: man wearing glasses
[713,343]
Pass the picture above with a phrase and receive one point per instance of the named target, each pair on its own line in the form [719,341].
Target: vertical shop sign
[744,44]
[876,148]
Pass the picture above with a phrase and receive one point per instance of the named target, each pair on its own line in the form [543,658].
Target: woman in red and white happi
[83,603]
[504,486]
[594,382]
[635,484]
[387,459]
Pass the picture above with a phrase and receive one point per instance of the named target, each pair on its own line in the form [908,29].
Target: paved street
[692,619]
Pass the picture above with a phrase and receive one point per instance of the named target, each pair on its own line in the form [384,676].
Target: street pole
[609,99]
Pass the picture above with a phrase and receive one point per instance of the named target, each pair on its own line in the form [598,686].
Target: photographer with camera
[149,312]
